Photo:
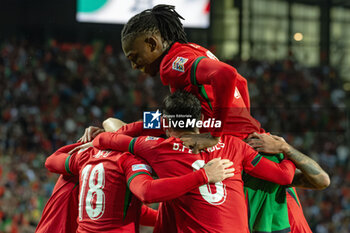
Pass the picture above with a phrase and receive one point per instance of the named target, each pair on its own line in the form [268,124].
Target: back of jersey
[105,202]
[218,207]
[170,158]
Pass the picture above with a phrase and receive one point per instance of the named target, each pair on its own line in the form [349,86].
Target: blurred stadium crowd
[50,92]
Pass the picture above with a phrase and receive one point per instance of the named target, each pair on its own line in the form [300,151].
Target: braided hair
[161,18]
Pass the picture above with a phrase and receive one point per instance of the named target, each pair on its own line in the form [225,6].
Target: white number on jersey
[213,198]
[95,197]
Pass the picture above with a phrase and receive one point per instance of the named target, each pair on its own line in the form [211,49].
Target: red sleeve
[242,87]
[140,146]
[136,129]
[144,147]
[133,166]
[222,78]
[57,162]
[112,141]
[150,191]
[280,173]
[148,216]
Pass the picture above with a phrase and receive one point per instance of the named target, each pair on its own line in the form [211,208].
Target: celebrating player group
[228,179]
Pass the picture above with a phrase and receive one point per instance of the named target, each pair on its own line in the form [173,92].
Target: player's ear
[151,42]
[202,117]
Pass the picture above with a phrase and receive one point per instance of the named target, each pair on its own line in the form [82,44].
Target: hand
[84,146]
[90,133]
[266,143]
[197,142]
[218,169]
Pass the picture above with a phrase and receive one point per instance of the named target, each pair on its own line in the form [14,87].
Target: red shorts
[297,221]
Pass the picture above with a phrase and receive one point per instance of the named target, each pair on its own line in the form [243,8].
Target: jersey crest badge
[179,64]
[138,167]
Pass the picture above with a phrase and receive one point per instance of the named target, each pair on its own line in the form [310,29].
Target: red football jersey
[58,216]
[217,207]
[297,221]
[105,202]
[143,186]
[179,70]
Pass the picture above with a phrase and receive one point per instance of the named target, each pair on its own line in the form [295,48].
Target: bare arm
[301,181]
[310,174]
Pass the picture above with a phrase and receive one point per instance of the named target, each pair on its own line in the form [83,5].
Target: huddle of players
[154,41]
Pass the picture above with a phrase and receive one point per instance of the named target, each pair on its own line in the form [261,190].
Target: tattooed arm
[301,181]
[309,174]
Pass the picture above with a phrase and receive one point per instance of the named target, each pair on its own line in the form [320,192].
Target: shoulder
[184,54]
[171,145]
[236,143]
[178,62]
[155,144]
[83,156]
[232,139]
[203,51]
[135,163]
[144,144]
[128,157]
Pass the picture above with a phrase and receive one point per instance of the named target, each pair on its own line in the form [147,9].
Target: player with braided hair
[148,35]
[155,41]
[162,18]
